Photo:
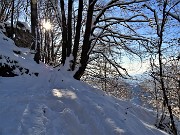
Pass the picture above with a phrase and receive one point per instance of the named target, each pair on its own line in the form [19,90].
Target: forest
[95,40]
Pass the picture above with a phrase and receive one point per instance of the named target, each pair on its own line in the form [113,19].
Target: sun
[46,25]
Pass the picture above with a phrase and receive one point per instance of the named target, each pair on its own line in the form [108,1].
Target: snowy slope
[20,59]
[55,104]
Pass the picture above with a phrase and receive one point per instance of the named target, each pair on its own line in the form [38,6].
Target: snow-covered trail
[14,100]
[51,105]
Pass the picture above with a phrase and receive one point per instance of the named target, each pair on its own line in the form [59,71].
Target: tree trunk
[86,42]
[12,20]
[33,21]
[34,30]
[64,33]
[161,68]
[78,32]
[52,46]
[70,2]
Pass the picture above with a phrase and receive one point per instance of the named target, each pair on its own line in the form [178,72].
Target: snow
[25,58]
[56,104]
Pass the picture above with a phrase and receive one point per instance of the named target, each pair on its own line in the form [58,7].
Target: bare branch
[125,20]
[115,65]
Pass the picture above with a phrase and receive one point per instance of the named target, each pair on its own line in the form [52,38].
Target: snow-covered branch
[155,17]
[124,36]
[174,16]
[125,20]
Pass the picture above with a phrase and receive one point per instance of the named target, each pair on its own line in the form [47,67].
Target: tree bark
[86,42]
[64,33]
[78,32]
[161,69]
[52,46]
[34,30]
[12,20]
[33,20]
[70,2]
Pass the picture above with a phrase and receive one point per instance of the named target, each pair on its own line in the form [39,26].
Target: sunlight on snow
[64,93]
[112,124]
[56,93]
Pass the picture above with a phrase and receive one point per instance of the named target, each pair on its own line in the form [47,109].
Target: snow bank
[18,60]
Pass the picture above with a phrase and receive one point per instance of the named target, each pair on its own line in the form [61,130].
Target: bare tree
[34,30]
[97,30]
[161,22]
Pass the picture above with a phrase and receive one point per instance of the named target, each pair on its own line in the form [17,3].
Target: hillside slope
[41,100]
[46,105]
